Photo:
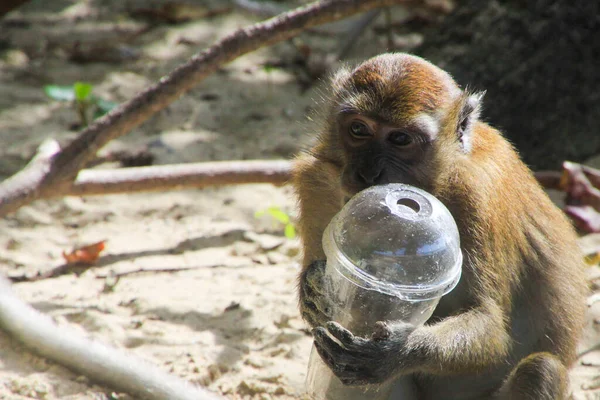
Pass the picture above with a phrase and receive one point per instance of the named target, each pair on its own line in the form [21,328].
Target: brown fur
[521,298]
[397,90]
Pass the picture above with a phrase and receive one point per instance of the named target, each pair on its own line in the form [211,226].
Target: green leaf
[279,215]
[290,231]
[83,91]
[61,93]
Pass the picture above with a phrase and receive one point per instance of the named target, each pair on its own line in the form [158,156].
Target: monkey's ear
[468,115]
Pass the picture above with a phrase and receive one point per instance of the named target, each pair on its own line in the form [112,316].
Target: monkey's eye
[359,130]
[400,139]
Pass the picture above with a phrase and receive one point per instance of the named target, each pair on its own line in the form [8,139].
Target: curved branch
[67,163]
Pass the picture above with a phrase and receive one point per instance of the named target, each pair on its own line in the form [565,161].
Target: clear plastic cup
[392,252]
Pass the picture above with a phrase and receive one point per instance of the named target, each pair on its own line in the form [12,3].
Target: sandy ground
[229,321]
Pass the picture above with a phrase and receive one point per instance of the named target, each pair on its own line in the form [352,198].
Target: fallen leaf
[585,218]
[583,196]
[580,183]
[86,254]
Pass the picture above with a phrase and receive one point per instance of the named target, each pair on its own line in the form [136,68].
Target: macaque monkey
[510,327]
[100,363]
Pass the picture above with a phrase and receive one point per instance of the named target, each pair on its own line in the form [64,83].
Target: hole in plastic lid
[410,204]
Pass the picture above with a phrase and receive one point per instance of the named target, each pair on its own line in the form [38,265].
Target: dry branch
[180,176]
[153,178]
[549,179]
[62,169]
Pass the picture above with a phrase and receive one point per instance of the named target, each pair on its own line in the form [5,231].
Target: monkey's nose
[370,177]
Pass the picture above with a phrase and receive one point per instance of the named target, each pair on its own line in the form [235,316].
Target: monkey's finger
[336,361]
[309,306]
[309,313]
[340,333]
[353,345]
[318,265]
[323,344]
[349,369]
[381,331]
[314,280]
[323,306]
[333,351]
[350,374]
[313,314]
[311,287]
[356,380]
[307,290]
[341,357]
[323,339]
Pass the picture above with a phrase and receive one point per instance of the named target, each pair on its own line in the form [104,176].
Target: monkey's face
[378,152]
[390,113]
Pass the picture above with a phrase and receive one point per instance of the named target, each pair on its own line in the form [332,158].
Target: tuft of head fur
[394,87]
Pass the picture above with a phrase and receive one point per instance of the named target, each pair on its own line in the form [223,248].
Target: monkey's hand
[315,307]
[361,361]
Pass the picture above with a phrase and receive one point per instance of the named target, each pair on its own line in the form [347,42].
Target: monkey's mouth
[349,190]
[348,193]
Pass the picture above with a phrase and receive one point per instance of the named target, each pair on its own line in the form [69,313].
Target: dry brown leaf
[86,254]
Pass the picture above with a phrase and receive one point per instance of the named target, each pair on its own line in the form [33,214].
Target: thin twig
[63,269]
[166,270]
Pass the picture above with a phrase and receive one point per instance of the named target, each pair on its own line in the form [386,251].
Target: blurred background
[203,282]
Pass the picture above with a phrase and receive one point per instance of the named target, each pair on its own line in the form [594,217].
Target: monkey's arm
[317,186]
[118,370]
[466,342]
